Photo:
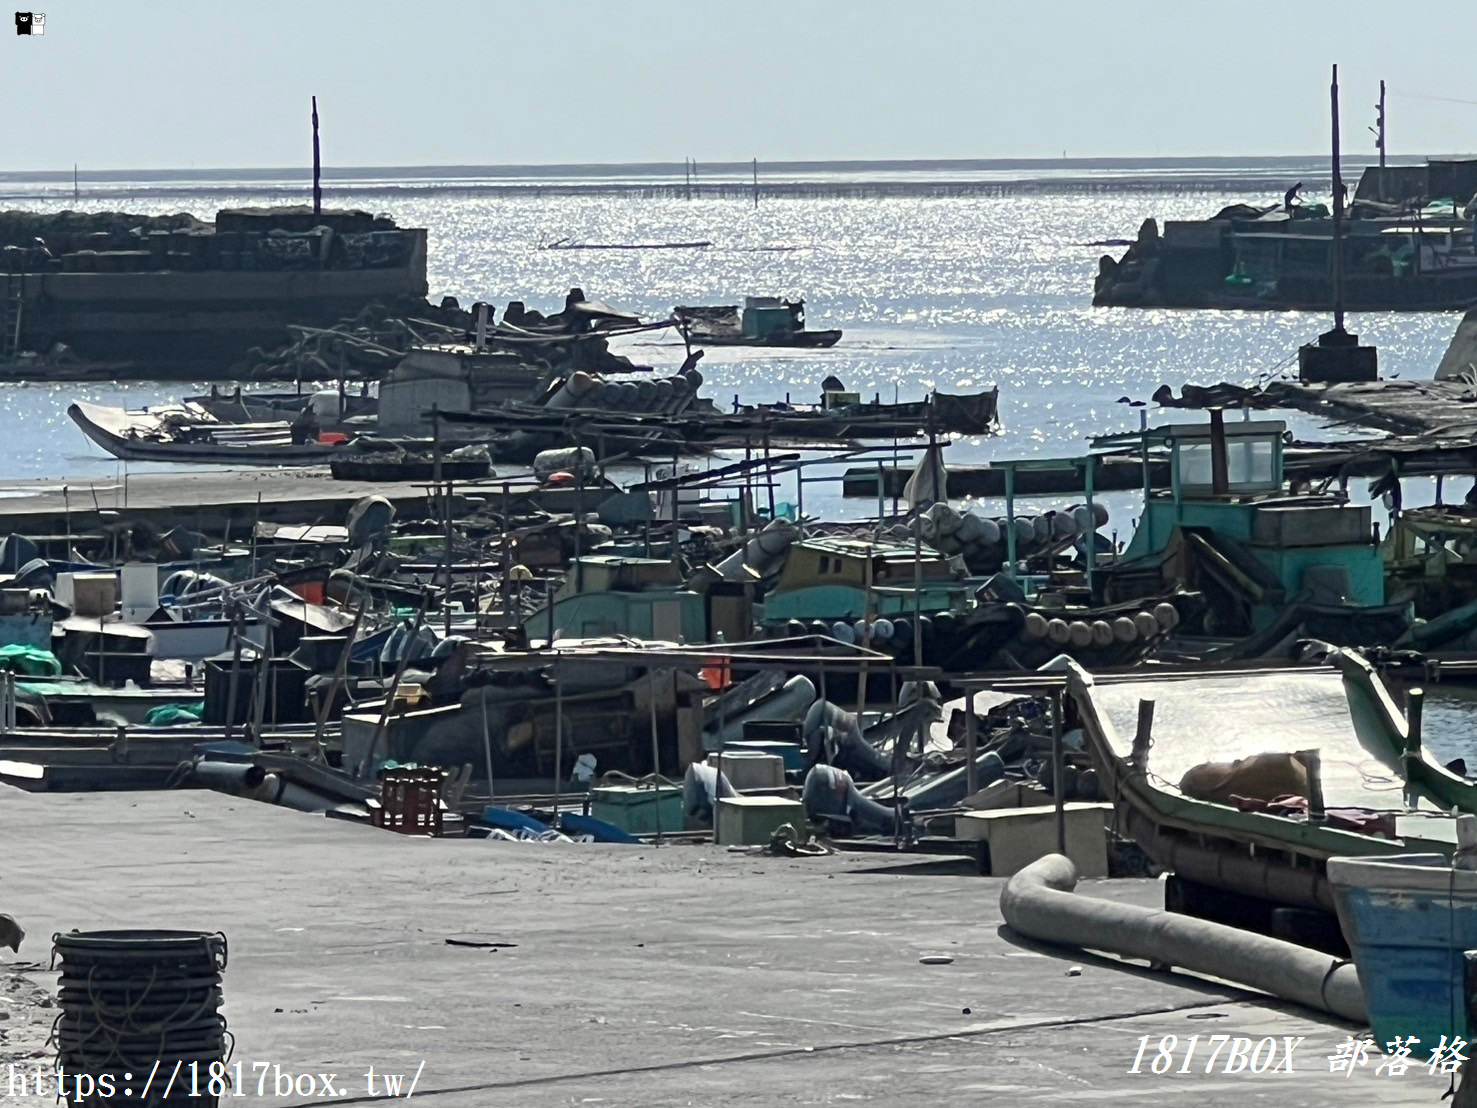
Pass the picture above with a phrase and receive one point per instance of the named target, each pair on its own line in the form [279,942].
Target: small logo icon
[30,23]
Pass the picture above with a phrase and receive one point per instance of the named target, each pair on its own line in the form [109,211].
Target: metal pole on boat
[1415,705]
[1090,539]
[971,770]
[1058,771]
[656,761]
[1010,521]
[558,733]
[487,746]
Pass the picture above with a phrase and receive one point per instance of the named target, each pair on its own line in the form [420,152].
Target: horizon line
[676,168]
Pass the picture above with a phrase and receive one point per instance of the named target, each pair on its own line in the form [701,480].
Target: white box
[1019,836]
[751,769]
[753,820]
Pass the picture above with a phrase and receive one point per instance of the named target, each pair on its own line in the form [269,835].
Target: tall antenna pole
[756,182]
[687,177]
[76,191]
[1338,211]
[1380,141]
[317,165]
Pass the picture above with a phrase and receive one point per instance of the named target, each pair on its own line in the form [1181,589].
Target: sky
[124,84]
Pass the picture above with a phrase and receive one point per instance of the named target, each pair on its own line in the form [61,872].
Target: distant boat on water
[570,244]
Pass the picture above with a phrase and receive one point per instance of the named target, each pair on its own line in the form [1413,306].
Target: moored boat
[763,321]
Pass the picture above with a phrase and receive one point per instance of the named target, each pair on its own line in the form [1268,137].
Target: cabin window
[1251,465]
[825,564]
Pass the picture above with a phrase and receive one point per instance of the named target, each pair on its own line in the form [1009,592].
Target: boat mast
[317,165]
[1338,211]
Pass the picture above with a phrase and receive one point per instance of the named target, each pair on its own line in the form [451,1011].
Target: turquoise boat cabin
[1228,528]
[833,579]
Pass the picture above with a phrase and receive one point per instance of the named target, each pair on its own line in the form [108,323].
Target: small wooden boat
[763,321]
[186,434]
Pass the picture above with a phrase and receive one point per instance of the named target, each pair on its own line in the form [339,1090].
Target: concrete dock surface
[644,976]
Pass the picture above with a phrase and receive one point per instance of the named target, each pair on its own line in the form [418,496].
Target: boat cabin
[851,578]
[605,594]
[769,315]
[1227,526]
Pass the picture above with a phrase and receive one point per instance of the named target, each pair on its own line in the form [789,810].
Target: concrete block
[752,820]
[750,769]
[1019,836]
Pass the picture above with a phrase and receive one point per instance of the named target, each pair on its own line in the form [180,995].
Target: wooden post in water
[756,172]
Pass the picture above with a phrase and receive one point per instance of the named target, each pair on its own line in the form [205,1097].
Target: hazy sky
[117,84]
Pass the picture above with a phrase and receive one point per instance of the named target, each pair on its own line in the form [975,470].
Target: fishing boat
[763,321]
[1273,565]
[181,433]
[1249,781]
[1410,919]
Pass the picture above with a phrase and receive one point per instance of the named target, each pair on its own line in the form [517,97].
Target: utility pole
[1338,211]
[317,166]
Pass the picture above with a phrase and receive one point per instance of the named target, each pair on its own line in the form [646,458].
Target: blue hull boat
[1408,919]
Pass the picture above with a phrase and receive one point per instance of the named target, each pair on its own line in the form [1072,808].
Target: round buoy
[902,632]
[1042,526]
[883,630]
[1146,625]
[1025,530]
[971,528]
[1124,630]
[1035,626]
[559,479]
[1079,633]
[1102,633]
[520,573]
[794,629]
[842,632]
[1063,525]
[1166,616]
[820,627]
[989,531]
[859,631]
[1058,632]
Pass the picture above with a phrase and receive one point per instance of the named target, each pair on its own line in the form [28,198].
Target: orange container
[332,438]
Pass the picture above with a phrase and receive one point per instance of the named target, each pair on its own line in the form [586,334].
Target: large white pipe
[1040,904]
[790,702]
[579,389]
[759,553]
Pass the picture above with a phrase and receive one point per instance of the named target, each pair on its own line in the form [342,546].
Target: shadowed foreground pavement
[645,976]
